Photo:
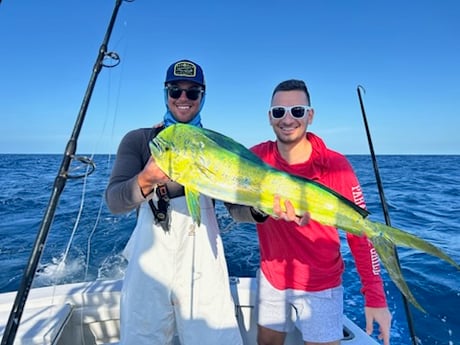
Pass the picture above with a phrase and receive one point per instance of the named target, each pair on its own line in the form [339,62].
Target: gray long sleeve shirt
[123,193]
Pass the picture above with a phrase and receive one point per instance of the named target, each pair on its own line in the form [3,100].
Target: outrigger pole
[59,183]
[385,209]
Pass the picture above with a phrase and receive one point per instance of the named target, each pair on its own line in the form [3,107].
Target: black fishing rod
[59,184]
[385,209]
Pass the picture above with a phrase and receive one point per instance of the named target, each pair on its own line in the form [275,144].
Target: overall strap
[160,211]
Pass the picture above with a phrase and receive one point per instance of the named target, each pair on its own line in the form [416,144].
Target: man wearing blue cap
[176,281]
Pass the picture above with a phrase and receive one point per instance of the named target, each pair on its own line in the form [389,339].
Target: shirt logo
[358,196]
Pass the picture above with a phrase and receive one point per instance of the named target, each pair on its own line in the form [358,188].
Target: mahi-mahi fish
[207,162]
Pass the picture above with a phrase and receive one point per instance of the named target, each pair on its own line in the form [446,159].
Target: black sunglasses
[298,111]
[192,93]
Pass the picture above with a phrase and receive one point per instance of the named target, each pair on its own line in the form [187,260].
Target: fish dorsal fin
[231,145]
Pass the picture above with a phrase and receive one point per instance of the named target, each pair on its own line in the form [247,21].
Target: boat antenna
[385,208]
[59,183]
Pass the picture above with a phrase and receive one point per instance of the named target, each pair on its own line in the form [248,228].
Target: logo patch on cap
[185,69]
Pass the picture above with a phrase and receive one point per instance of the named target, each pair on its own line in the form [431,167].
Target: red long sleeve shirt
[308,258]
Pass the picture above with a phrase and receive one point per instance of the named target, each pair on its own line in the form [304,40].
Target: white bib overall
[177,282]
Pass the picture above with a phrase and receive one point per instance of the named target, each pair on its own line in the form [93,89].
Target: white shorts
[318,315]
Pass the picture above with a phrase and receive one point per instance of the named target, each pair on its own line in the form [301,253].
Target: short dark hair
[291,85]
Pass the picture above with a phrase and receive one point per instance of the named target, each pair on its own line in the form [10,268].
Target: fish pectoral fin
[387,254]
[192,198]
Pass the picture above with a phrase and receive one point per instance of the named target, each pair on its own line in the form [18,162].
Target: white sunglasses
[278,112]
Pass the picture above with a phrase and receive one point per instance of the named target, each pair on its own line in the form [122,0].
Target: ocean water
[423,195]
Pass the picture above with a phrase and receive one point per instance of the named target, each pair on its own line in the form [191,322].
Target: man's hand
[289,215]
[383,317]
[151,176]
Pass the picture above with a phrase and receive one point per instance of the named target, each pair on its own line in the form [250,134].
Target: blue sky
[405,53]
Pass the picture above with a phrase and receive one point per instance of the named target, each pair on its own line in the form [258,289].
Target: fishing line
[117,97]
[228,227]
[96,223]
[101,199]
[111,60]
[61,266]
[108,165]
[385,209]
[59,184]
[90,165]
[109,158]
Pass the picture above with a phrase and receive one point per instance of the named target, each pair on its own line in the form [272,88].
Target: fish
[210,163]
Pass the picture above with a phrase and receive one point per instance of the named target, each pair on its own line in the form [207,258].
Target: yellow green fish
[209,163]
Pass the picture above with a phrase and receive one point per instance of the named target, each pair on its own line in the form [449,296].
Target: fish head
[173,151]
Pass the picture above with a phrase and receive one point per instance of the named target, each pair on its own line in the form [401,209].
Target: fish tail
[405,239]
[387,254]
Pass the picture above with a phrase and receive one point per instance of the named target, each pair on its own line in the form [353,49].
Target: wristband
[258,215]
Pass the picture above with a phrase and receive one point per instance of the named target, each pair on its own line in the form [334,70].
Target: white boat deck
[88,313]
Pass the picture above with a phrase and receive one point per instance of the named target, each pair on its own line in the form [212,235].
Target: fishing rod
[59,184]
[385,209]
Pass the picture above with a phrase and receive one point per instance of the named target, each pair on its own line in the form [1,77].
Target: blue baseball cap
[185,70]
